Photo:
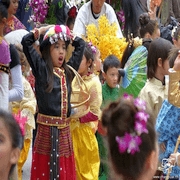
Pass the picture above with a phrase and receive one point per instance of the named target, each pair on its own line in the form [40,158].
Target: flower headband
[93,48]
[21,120]
[130,142]
[58,32]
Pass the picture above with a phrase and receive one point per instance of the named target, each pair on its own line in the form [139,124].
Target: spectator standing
[90,12]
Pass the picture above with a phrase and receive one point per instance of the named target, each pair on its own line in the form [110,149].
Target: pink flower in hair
[140,104]
[123,142]
[90,44]
[142,116]
[122,145]
[130,142]
[134,144]
[140,127]
[127,96]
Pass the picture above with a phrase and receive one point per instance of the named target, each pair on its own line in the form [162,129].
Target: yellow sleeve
[96,97]
[28,104]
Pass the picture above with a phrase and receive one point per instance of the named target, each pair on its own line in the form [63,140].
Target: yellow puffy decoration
[104,38]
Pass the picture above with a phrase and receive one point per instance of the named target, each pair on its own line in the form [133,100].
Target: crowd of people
[58,96]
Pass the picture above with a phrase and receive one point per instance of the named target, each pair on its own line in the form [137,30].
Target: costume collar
[157,81]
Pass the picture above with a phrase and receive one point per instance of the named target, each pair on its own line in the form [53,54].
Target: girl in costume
[53,143]
[13,23]
[83,128]
[156,89]
[4,61]
[131,139]
[27,107]
[167,122]
[11,138]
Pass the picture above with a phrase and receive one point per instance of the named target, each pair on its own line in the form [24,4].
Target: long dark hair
[159,48]
[127,53]
[3,11]
[6,3]
[89,53]
[174,52]
[47,57]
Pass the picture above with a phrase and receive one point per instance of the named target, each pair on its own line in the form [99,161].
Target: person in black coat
[132,10]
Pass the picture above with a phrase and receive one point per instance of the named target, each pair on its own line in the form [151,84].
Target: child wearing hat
[53,156]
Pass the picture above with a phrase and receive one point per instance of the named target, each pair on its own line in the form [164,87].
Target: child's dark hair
[119,118]
[147,25]
[13,130]
[159,48]
[72,13]
[173,55]
[47,57]
[110,62]
[89,52]
[3,11]
[6,3]
[70,21]
[127,53]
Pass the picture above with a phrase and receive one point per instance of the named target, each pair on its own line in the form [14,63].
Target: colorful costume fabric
[83,128]
[109,94]
[168,129]
[154,93]
[31,80]
[174,91]
[13,24]
[27,106]
[53,156]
